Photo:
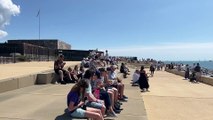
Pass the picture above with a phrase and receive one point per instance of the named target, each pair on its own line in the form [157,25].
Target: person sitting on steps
[59,69]
[75,103]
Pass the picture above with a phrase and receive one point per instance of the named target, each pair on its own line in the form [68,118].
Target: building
[29,51]
[76,55]
[48,43]
[43,49]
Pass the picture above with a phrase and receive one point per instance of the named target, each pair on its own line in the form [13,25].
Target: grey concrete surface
[173,98]
[48,102]
[19,75]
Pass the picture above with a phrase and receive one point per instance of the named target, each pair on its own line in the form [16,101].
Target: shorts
[114,85]
[57,71]
[96,105]
[79,112]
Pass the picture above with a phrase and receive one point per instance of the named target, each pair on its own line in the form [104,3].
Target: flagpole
[39,25]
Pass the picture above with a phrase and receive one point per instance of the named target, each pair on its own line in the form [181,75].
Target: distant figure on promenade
[186,72]
[192,77]
[197,70]
[158,66]
[107,57]
[124,70]
[179,67]
[143,80]
[152,70]
[59,69]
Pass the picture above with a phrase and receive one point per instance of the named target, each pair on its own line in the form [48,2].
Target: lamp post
[14,55]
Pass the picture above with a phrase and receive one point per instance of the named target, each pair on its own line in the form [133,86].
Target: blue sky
[160,29]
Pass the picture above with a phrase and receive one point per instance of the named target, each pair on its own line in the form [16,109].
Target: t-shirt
[135,77]
[73,97]
[112,75]
[102,79]
[197,69]
[89,88]
[57,64]
[95,83]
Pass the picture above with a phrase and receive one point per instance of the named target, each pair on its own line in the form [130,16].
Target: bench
[47,77]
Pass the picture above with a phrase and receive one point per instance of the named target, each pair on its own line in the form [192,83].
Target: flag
[38,14]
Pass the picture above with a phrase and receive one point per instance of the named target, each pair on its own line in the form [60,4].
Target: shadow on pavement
[64,116]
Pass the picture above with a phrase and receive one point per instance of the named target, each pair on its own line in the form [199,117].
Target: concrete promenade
[170,98]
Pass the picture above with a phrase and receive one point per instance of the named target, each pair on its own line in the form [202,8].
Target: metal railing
[6,60]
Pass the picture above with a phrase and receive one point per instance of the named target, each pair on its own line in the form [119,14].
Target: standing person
[197,70]
[187,72]
[58,68]
[152,70]
[143,80]
[107,57]
[75,103]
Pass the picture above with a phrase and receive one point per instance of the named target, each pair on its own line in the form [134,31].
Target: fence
[5,60]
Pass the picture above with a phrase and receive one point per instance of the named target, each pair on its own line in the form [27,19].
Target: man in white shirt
[117,83]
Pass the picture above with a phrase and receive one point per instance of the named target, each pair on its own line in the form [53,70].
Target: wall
[204,79]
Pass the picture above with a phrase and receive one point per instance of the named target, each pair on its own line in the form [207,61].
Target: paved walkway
[172,98]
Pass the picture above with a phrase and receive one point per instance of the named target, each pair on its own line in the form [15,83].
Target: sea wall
[204,79]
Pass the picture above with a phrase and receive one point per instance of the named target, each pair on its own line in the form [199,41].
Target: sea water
[204,64]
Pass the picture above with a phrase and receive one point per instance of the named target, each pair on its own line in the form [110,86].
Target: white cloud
[7,9]
[3,34]
[167,51]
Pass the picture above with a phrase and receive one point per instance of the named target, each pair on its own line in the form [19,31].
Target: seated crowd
[98,91]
